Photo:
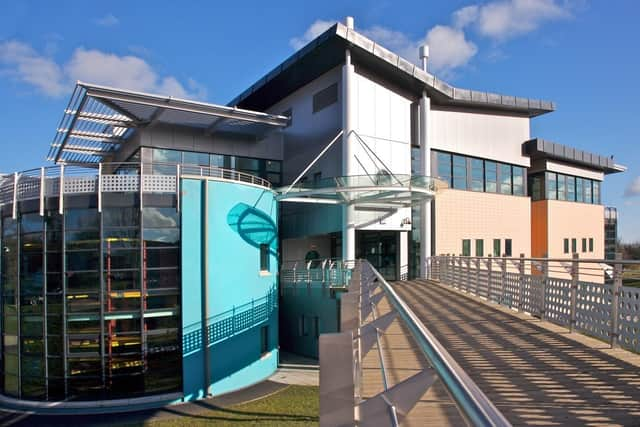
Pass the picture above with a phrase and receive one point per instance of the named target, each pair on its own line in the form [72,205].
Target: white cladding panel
[383,121]
[574,170]
[490,136]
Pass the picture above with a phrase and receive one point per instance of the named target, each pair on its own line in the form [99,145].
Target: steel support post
[615,301]
[574,292]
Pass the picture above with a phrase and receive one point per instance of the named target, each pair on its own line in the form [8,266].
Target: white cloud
[25,64]
[448,48]
[633,189]
[314,30]
[465,16]
[502,20]
[109,20]
[21,62]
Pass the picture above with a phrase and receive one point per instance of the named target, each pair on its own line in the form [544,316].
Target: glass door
[380,248]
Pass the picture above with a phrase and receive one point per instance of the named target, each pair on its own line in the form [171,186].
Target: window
[518,181]
[496,247]
[562,189]
[264,339]
[264,257]
[505,179]
[459,172]
[596,192]
[571,188]
[325,98]
[584,244]
[536,189]
[477,175]
[588,195]
[579,190]
[444,167]
[566,246]
[479,247]
[466,247]
[591,244]
[507,247]
[574,246]
[490,177]
[552,186]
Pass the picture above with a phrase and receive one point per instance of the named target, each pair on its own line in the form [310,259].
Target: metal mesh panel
[558,301]
[159,184]
[511,295]
[28,188]
[52,187]
[629,320]
[593,309]
[74,185]
[118,183]
[495,285]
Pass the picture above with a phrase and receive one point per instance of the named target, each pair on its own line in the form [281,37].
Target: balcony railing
[56,181]
[596,297]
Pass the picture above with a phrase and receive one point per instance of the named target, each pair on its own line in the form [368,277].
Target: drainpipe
[348,160]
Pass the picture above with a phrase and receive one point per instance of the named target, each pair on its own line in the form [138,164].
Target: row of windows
[271,170]
[479,247]
[574,245]
[470,173]
[557,186]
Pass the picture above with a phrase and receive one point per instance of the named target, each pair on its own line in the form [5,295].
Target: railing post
[574,292]
[503,279]
[178,187]
[100,187]
[14,212]
[467,282]
[615,300]
[543,287]
[489,277]
[477,281]
[42,189]
[521,283]
[61,191]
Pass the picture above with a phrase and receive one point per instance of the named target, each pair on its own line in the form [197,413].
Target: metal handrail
[474,405]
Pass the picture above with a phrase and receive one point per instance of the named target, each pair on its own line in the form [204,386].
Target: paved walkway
[536,373]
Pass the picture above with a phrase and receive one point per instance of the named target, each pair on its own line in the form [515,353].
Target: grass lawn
[291,406]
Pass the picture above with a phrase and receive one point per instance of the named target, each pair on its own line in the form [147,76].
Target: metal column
[348,159]
[425,162]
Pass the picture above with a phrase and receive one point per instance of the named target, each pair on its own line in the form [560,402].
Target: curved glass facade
[91,300]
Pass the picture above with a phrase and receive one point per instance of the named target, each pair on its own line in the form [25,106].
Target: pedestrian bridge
[438,352]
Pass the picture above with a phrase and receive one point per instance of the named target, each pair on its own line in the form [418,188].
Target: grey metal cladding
[462,94]
[508,100]
[547,105]
[385,54]
[522,102]
[494,98]
[273,73]
[443,87]
[405,65]
[477,96]
[534,103]
[422,75]
[558,150]
[360,41]
[570,152]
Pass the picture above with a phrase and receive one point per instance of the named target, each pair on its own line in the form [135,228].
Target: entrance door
[380,248]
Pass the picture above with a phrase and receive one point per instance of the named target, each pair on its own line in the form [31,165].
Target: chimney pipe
[349,22]
[424,56]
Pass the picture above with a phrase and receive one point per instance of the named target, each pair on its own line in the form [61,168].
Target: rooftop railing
[595,297]
[329,272]
[56,181]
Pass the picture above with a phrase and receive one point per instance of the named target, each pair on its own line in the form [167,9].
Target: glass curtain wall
[90,300]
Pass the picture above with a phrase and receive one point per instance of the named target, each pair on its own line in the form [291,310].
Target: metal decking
[534,372]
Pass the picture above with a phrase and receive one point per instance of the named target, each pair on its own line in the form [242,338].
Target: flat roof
[327,51]
[538,148]
[99,119]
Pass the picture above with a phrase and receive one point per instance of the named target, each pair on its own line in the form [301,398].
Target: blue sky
[581,54]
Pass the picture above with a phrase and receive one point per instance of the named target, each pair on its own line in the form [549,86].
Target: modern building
[143,267]
[610,232]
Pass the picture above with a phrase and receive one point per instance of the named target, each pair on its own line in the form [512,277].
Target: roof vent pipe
[424,56]
[349,22]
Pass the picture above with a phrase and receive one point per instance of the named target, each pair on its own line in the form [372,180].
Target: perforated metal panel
[629,321]
[558,301]
[117,183]
[593,309]
[75,185]
[159,184]
[28,188]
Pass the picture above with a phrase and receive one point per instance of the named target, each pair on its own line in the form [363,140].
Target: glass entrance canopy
[382,190]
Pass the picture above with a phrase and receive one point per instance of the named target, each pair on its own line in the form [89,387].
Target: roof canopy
[542,149]
[327,51]
[99,119]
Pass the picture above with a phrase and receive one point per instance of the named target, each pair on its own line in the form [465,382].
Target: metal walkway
[534,372]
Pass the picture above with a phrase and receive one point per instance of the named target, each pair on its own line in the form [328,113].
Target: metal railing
[596,297]
[56,181]
[331,272]
[341,367]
